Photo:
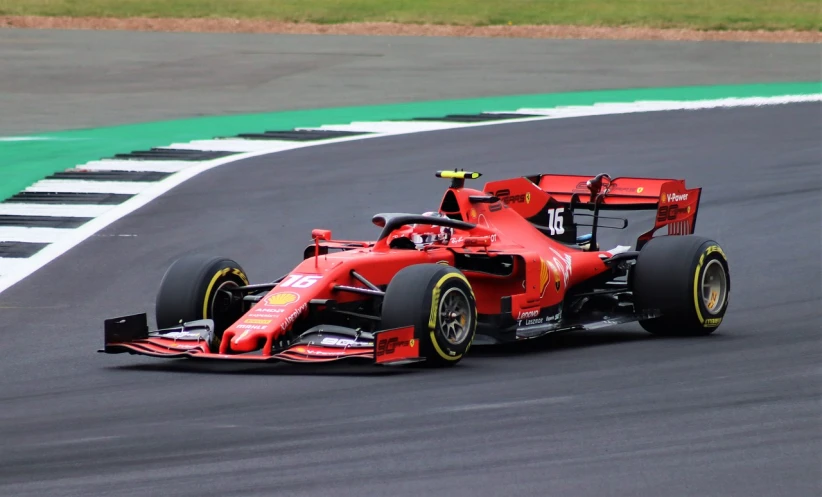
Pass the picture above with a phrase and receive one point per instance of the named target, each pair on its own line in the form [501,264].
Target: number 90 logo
[667,213]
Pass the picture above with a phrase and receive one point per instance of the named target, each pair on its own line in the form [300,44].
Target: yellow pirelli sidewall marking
[716,248]
[442,352]
[710,250]
[208,290]
[217,275]
[240,274]
[432,318]
[696,289]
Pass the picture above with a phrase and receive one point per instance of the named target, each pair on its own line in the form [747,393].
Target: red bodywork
[541,271]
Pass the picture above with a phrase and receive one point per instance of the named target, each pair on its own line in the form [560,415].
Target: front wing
[191,340]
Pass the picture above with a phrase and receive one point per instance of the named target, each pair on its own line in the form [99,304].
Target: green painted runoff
[25,162]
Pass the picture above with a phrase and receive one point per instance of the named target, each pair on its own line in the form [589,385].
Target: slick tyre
[194,288]
[687,279]
[439,302]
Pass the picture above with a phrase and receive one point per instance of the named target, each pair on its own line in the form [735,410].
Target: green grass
[699,14]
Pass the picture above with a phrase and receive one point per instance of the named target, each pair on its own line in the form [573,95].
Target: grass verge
[805,15]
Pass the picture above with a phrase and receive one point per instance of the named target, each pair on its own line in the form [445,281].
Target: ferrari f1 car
[501,264]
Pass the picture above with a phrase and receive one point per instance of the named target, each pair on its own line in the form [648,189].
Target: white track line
[32,235]
[53,210]
[84,186]
[189,169]
[24,138]
[160,166]
[664,105]
[392,127]
[9,265]
[234,145]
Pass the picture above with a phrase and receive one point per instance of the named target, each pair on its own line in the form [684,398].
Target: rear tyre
[687,279]
[439,302]
[194,288]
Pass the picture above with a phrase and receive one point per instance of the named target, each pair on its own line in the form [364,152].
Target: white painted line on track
[53,210]
[24,138]
[84,186]
[9,265]
[391,127]
[159,166]
[32,235]
[231,145]
[186,170]
[664,105]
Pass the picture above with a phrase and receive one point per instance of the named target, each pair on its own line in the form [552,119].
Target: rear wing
[676,206]
[619,193]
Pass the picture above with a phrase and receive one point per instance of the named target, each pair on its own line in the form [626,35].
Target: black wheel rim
[714,285]
[455,318]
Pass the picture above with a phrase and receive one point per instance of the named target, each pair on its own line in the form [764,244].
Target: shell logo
[662,198]
[543,275]
[282,298]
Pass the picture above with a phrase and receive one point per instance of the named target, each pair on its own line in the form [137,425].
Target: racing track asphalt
[611,413]
[54,80]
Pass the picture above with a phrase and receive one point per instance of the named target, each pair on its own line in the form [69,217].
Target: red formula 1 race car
[503,264]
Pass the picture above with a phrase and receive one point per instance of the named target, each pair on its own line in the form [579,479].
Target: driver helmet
[425,234]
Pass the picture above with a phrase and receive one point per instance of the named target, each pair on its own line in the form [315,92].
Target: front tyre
[687,279]
[196,287]
[439,302]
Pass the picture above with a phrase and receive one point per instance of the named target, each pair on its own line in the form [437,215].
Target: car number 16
[299,280]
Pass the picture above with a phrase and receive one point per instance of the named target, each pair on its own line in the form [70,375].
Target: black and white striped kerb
[58,212]
[48,210]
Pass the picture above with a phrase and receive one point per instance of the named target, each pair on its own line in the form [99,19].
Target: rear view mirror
[477,241]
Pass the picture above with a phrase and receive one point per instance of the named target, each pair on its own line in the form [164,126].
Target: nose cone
[246,341]
[265,322]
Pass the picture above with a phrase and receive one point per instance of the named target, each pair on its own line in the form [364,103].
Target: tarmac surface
[54,80]
[616,412]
